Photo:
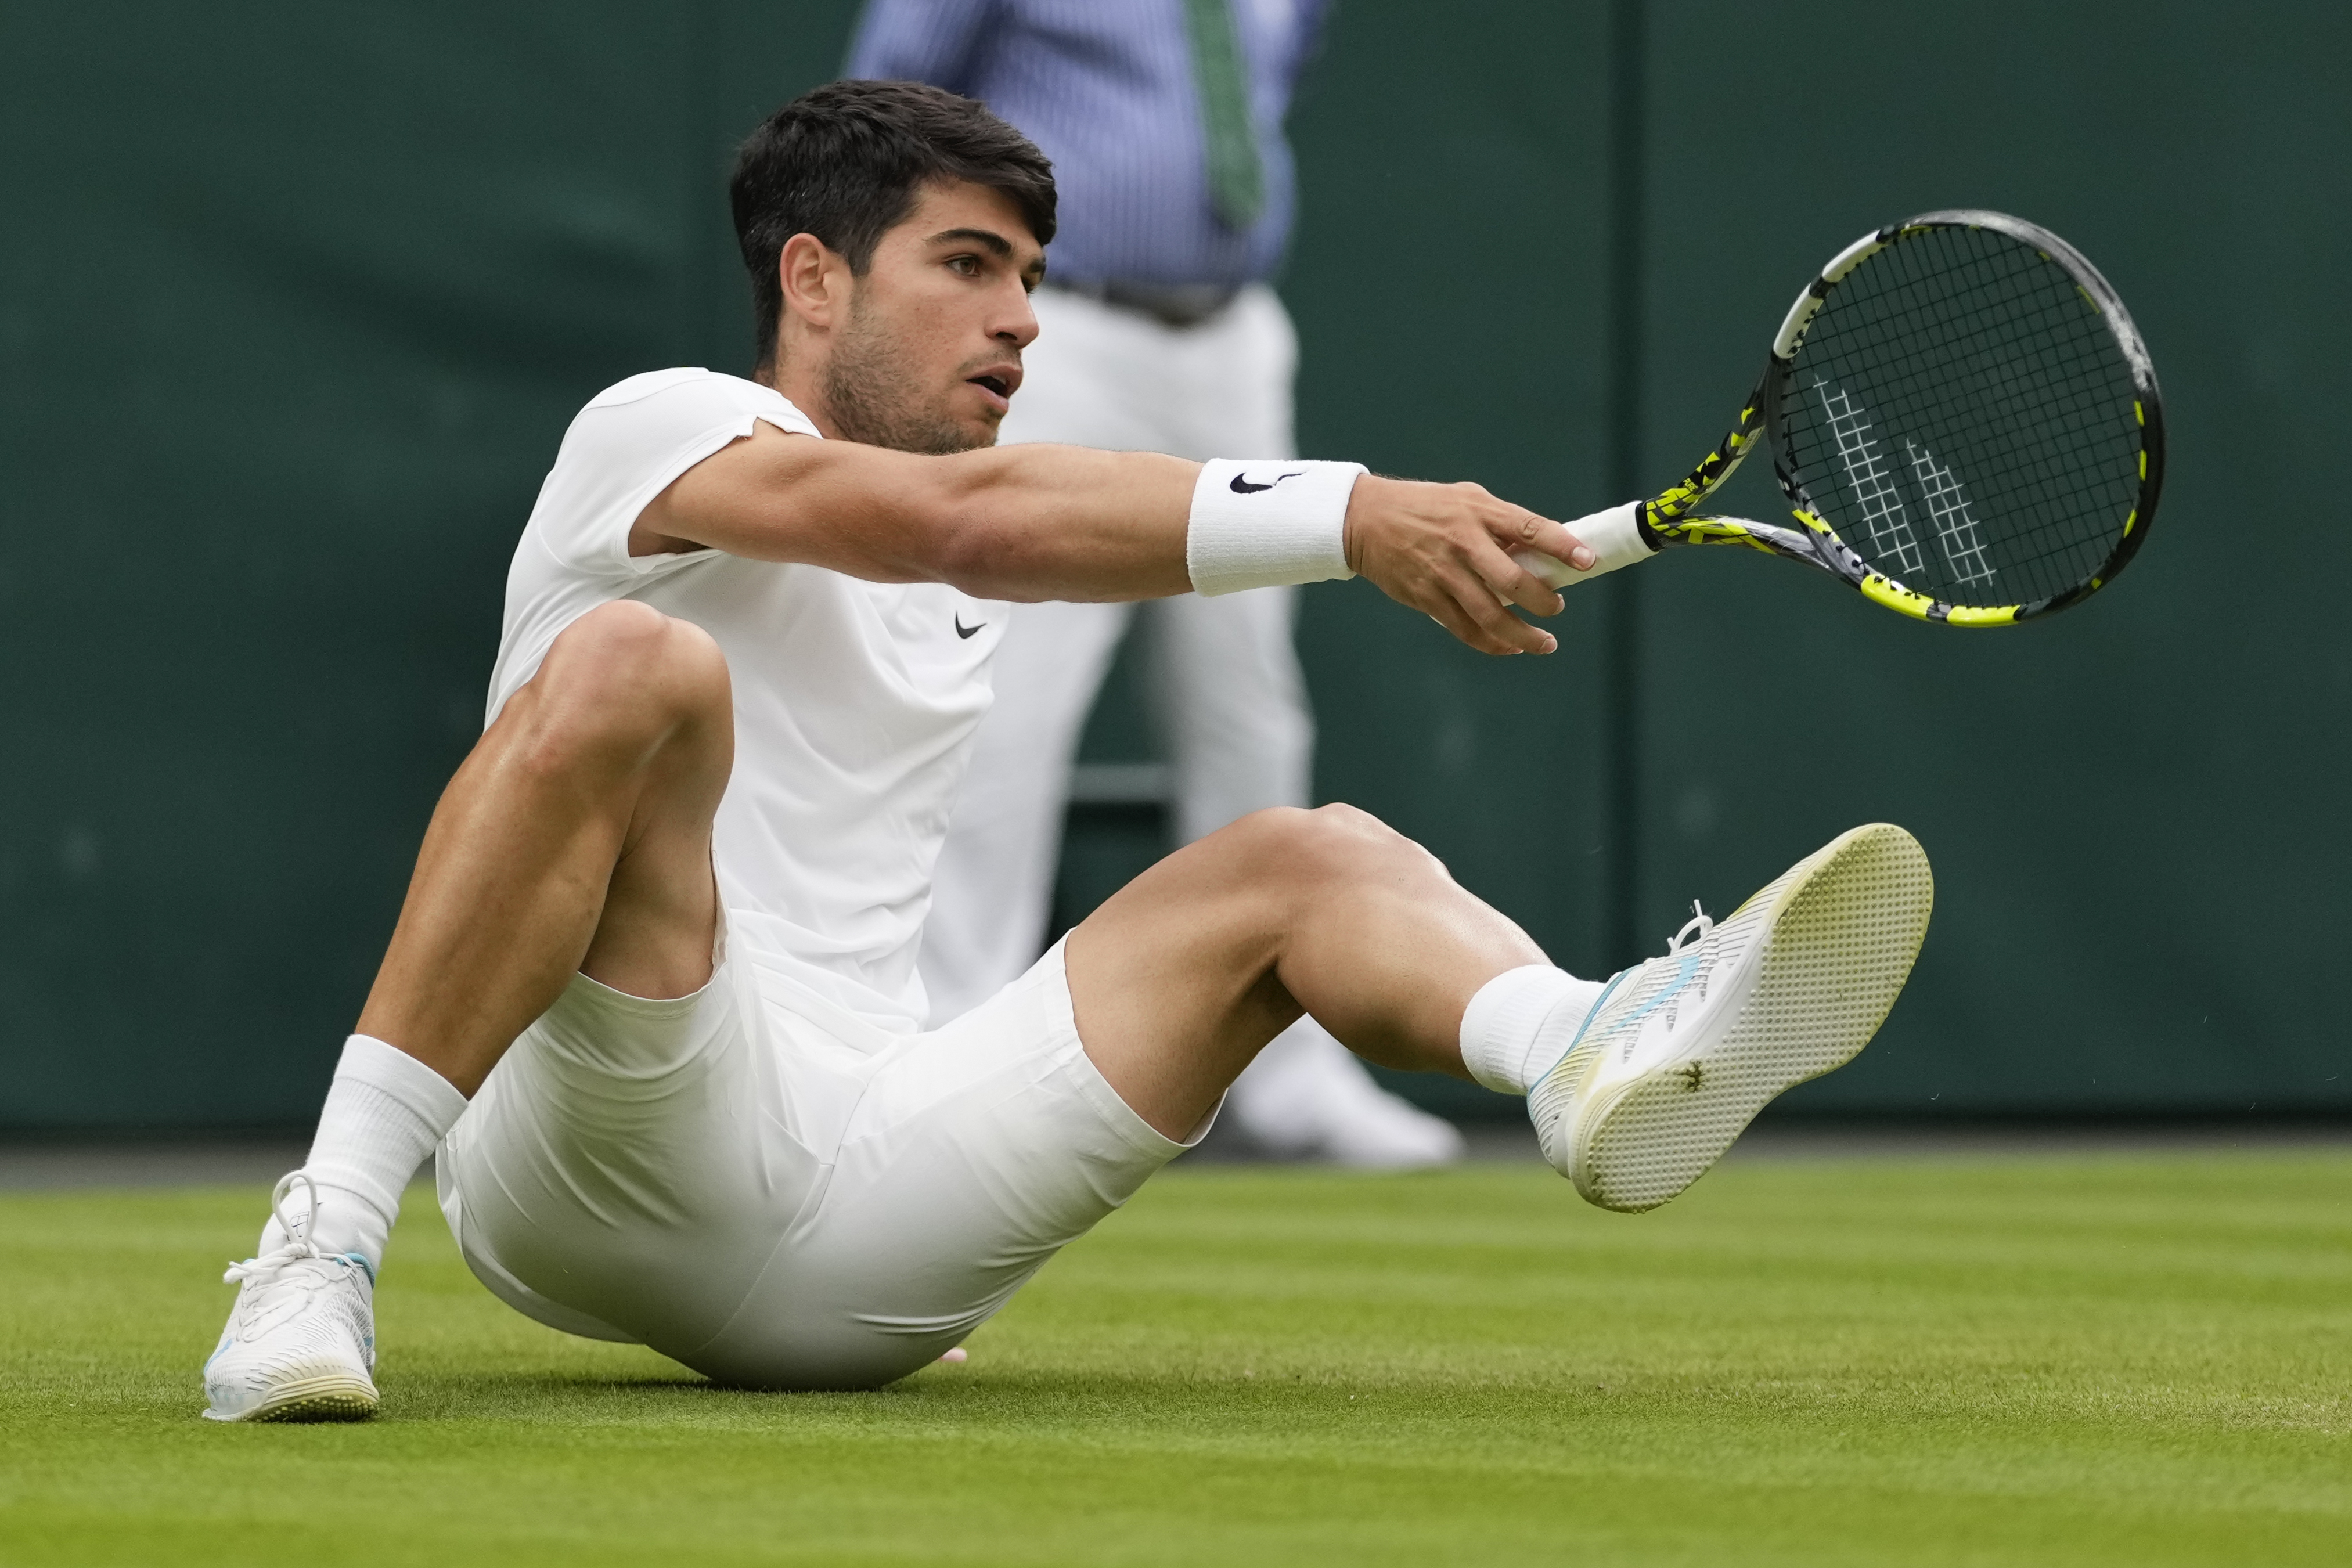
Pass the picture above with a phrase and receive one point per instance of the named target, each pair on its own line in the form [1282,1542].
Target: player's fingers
[1524,534]
[1516,579]
[1429,595]
[1476,599]
[1448,614]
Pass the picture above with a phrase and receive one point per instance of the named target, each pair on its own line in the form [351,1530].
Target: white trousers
[1223,676]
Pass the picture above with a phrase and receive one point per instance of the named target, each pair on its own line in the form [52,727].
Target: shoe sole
[336,1397]
[1844,925]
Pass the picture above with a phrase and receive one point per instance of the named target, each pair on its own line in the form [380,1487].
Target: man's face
[931,354]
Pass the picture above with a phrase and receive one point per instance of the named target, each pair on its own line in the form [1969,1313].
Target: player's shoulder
[689,380]
[692,395]
[630,442]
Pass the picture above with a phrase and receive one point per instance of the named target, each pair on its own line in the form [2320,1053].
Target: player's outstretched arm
[1036,522]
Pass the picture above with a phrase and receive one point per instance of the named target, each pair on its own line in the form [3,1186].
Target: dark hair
[844,163]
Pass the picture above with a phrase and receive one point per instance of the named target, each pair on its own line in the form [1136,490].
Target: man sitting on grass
[653,990]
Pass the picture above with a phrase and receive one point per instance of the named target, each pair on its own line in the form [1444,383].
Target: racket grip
[1611,535]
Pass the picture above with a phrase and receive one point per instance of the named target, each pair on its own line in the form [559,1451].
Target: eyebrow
[984,238]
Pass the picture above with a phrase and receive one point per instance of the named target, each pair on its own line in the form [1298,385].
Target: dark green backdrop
[294,305]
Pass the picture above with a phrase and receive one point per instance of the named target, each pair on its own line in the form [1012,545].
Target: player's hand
[1445,550]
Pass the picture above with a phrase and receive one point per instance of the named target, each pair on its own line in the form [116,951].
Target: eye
[964,266]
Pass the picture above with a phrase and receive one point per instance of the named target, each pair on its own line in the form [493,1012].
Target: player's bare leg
[1182,976]
[576,837]
[1637,1086]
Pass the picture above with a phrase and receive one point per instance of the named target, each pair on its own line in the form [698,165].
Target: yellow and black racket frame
[1673,517]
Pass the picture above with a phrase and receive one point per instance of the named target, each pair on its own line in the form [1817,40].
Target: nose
[1017,325]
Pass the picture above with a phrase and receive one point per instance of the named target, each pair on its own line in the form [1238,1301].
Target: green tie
[1236,178]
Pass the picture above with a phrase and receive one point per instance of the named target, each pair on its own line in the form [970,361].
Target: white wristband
[1263,524]
[1611,535]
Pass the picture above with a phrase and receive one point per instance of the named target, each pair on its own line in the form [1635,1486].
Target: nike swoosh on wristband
[1241,486]
[964,630]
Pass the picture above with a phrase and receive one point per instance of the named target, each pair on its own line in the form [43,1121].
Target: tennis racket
[1962,416]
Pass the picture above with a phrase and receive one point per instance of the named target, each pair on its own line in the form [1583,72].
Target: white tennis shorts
[787,1196]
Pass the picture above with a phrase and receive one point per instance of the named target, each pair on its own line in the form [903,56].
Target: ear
[815,280]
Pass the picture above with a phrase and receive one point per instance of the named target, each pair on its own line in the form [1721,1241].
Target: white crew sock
[385,1111]
[1518,1027]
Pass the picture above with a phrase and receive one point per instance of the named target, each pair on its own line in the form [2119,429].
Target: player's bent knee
[1291,844]
[625,644]
[1354,842]
[1355,822]
[628,666]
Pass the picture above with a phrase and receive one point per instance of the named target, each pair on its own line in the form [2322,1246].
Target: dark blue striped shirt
[1105,89]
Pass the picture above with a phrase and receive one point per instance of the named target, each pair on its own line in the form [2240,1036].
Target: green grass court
[2131,1360]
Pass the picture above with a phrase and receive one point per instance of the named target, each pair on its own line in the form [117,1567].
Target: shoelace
[1697,929]
[298,1245]
[1698,922]
[1695,932]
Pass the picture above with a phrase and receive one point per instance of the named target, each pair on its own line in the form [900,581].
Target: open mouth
[996,384]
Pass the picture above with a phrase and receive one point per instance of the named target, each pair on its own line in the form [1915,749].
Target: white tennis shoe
[1679,1053]
[300,1341]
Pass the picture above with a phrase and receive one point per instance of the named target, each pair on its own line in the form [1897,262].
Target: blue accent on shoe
[361,1258]
[1690,967]
[1589,1014]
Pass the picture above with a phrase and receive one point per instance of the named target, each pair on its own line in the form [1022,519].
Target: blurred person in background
[1159,331]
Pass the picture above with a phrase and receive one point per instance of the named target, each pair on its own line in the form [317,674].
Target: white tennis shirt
[854,701]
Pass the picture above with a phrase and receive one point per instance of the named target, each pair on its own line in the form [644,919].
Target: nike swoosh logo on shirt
[1241,486]
[964,630]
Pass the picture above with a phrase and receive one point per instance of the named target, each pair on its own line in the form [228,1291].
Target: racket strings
[2044,339]
[2047,339]
[1962,414]
[2031,341]
[1996,458]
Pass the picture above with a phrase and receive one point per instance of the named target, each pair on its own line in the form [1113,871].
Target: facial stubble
[876,396]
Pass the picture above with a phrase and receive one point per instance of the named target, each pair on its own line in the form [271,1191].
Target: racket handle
[1611,535]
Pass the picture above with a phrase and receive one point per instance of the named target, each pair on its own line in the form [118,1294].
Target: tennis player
[652,992]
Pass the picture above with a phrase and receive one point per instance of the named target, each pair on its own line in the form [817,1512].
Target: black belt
[1169,304]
